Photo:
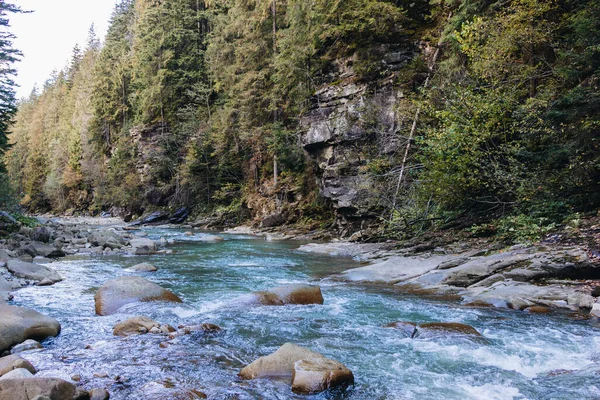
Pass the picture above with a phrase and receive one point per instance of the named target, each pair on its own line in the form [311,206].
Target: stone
[18,373]
[18,324]
[311,372]
[395,269]
[29,388]
[180,215]
[5,289]
[45,282]
[596,291]
[41,234]
[76,378]
[129,289]
[188,233]
[99,394]
[36,272]
[142,267]
[445,328]
[314,376]
[208,238]
[45,250]
[132,326]
[143,246]
[14,361]
[538,310]
[27,345]
[289,294]
[595,311]
[153,218]
[106,238]
[273,220]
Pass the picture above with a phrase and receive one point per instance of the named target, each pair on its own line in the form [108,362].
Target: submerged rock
[408,329]
[289,294]
[311,372]
[30,388]
[32,271]
[142,267]
[134,326]
[129,289]
[27,345]
[99,394]
[18,324]
[14,361]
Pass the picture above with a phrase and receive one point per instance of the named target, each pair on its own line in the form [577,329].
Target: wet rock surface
[128,289]
[289,294]
[309,371]
[516,278]
[18,324]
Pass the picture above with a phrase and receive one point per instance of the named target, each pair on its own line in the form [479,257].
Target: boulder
[5,289]
[595,311]
[143,267]
[18,324]
[32,271]
[30,388]
[148,246]
[41,234]
[134,326]
[27,345]
[153,218]
[310,371]
[14,361]
[99,394]
[179,216]
[289,294]
[129,289]
[18,373]
[273,220]
[49,251]
[445,328]
[106,238]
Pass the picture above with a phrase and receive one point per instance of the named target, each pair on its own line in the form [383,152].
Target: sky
[47,36]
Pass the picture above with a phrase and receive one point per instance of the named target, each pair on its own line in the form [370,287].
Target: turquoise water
[526,356]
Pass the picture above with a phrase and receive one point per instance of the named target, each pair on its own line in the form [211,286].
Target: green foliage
[519,228]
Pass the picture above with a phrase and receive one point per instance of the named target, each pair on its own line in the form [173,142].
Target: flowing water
[525,357]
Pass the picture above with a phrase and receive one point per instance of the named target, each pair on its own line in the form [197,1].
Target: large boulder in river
[435,329]
[153,218]
[289,294]
[311,372]
[134,326]
[143,246]
[32,271]
[30,388]
[106,238]
[41,234]
[129,289]
[18,324]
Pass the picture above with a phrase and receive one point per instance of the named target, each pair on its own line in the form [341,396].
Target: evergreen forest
[492,118]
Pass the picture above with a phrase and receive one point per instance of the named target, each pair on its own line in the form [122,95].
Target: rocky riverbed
[535,278]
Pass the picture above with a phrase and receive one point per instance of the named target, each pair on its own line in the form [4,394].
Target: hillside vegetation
[200,104]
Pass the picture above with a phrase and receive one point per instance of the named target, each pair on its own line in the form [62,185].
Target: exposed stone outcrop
[518,278]
[30,388]
[349,123]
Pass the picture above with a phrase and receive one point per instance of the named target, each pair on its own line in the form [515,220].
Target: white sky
[47,36]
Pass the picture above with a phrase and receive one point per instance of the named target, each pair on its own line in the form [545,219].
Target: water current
[526,356]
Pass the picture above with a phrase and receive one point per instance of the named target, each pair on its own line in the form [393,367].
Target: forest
[492,119]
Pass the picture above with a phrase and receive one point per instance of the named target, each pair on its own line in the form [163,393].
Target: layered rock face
[349,124]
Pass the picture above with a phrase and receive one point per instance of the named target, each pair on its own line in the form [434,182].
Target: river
[526,356]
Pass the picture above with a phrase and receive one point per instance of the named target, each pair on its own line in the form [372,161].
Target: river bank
[96,251]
